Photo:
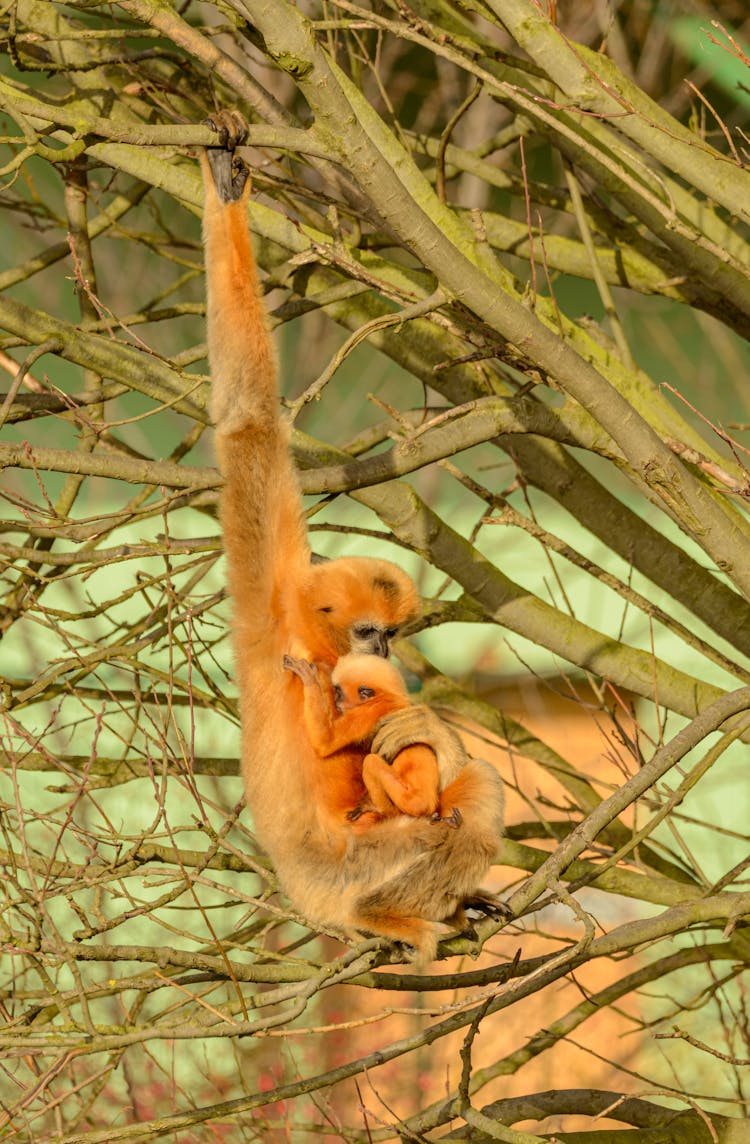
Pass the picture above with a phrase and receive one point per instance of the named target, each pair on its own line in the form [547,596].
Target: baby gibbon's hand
[307,672]
[418,724]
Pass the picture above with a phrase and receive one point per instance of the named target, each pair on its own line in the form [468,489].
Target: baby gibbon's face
[352,696]
[357,679]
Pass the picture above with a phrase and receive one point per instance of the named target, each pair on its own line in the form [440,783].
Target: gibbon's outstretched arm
[264,536]
[402,876]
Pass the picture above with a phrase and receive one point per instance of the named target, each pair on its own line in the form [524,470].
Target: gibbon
[402,875]
[342,710]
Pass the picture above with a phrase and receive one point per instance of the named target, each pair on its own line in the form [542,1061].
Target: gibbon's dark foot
[394,948]
[230,172]
[489,906]
[403,950]
[306,671]
[364,816]
[389,944]
[454,819]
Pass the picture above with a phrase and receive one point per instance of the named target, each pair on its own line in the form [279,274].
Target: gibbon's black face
[359,604]
[367,637]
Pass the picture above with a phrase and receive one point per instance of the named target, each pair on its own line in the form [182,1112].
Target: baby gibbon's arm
[319,707]
[329,730]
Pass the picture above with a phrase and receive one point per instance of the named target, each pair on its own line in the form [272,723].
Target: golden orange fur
[403,875]
[341,714]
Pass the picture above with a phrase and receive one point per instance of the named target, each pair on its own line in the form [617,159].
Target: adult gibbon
[404,874]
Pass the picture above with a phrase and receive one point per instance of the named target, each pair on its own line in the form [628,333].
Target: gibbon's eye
[365,631]
[391,633]
[366,693]
[327,608]
[338,694]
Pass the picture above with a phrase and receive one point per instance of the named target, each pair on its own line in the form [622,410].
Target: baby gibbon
[342,711]
[402,875]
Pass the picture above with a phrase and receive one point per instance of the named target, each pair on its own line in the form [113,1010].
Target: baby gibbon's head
[358,678]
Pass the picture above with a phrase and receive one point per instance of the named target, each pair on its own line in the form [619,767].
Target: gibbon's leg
[410,787]
[376,789]
[474,803]
[264,535]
